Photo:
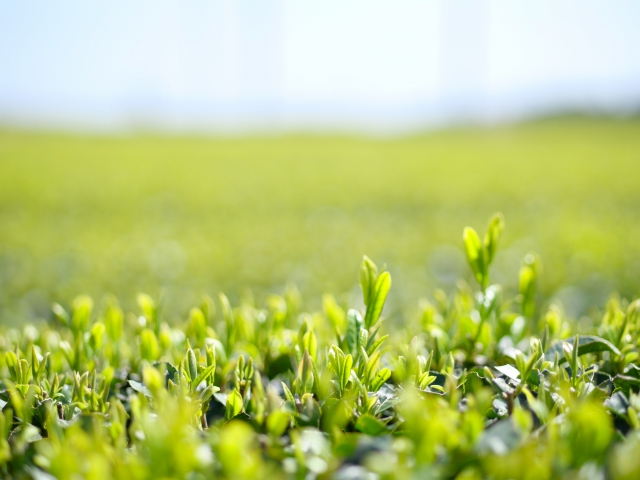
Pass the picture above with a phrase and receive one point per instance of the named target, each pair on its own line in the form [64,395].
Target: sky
[313,64]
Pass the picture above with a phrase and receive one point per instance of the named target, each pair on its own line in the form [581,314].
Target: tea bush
[479,385]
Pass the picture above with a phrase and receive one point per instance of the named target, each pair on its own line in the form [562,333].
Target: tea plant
[481,386]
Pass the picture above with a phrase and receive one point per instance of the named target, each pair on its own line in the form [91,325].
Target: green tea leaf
[235,404]
[203,374]
[346,370]
[370,425]
[475,254]
[81,309]
[277,422]
[287,393]
[527,284]
[207,393]
[310,343]
[192,365]
[381,377]
[149,348]
[139,387]
[354,325]
[492,237]
[378,299]
[368,277]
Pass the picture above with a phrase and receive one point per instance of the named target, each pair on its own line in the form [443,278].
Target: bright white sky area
[313,64]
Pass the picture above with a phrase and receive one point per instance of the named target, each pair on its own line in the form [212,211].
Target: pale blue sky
[273,64]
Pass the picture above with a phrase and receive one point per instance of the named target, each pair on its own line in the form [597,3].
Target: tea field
[200,307]
[177,217]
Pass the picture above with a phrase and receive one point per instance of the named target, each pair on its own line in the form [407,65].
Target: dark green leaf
[139,387]
[618,404]
[500,438]
[586,344]
[632,370]
[509,370]
[500,407]
[501,386]
[628,384]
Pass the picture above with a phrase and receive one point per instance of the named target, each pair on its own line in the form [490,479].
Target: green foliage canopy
[478,386]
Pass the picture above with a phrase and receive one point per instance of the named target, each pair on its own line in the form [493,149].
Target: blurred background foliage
[178,216]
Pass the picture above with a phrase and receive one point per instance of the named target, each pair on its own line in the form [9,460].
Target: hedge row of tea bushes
[176,216]
[480,387]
